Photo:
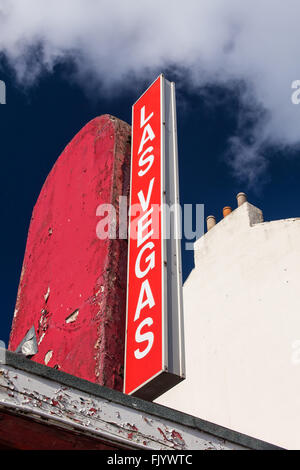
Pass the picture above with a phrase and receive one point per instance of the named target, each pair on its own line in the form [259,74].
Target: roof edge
[19,361]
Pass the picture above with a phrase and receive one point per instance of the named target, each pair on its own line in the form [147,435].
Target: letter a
[148,134]
[149,299]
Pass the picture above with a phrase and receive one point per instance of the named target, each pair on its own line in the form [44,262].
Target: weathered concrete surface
[73,285]
[40,400]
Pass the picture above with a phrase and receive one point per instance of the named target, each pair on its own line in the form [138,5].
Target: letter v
[145,203]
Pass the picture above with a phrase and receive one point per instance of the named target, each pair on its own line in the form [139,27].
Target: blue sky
[237,128]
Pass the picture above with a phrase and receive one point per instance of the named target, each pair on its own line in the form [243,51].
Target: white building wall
[242,328]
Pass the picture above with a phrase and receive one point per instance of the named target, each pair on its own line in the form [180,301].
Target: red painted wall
[65,259]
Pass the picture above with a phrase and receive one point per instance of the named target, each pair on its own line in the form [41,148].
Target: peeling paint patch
[162,433]
[173,437]
[41,338]
[28,345]
[73,317]
[43,323]
[177,438]
[48,357]
[132,426]
[46,296]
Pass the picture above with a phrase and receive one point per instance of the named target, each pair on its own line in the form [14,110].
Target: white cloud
[217,41]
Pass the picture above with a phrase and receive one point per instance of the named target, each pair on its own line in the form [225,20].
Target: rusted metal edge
[20,362]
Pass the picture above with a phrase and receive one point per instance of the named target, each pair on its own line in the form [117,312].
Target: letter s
[140,338]
[144,160]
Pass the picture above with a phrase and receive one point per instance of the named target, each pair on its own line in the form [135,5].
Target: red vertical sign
[144,333]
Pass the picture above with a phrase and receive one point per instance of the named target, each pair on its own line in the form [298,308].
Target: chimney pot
[210,222]
[241,198]
[226,211]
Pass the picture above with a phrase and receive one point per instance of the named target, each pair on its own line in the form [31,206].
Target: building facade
[242,328]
